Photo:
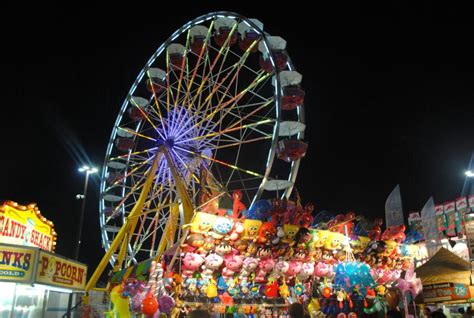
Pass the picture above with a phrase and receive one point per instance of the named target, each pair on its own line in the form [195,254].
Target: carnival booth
[258,264]
[34,282]
[446,280]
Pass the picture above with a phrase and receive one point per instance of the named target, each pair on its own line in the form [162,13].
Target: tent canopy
[445,267]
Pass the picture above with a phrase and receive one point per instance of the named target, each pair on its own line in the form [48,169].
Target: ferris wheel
[220,99]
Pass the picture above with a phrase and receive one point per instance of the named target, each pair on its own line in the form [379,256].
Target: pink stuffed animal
[236,231]
[264,268]
[307,269]
[212,263]
[232,265]
[249,266]
[191,263]
[281,267]
[293,269]
[322,270]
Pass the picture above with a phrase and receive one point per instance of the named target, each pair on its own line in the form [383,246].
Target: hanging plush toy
[271,289]
[264,267]
[266,232]
[249,266]
[221,227]
[238,208]
[374,234]
[232,264]
[212,263]
[190,263]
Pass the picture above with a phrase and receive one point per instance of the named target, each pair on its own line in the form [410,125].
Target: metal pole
[78,235]
[81,217]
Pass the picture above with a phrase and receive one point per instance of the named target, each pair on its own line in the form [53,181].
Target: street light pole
[88,171]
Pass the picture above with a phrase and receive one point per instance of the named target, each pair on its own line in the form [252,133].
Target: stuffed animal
[191,263]
[307,269]
[264,267]
[212,263]
[249,266]
[395,233]
[266,232]
[232,265]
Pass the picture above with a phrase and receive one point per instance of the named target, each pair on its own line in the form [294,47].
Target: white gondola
[116,165]
[112,198]
[291,128]
[277,185]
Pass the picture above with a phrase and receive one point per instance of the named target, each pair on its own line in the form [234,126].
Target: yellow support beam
[128,227]
[188,209]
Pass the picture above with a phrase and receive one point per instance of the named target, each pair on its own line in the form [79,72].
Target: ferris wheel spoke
[225,48]
[237,67]
[137,134]
[243,142]
[226,131]
[181,72]
[198,63]
[232,101]
[222,163]
[238,56]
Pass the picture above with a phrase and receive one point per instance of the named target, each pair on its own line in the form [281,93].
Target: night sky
[389,95]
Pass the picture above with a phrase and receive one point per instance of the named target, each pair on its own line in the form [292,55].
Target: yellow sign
[24,225]
[60,271]
[17,263]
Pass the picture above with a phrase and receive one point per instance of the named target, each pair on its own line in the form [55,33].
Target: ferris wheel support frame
[128,228]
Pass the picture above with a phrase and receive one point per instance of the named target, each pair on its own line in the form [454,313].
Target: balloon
[392,297]
[259,209]
[149,304]
[327,292]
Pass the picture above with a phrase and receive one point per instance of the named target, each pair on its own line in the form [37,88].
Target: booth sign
[60,271]
[17,264]
[445,292]
[24,225]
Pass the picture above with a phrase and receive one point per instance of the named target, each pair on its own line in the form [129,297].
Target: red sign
[461,203]
[471,201]
[439,208]
[449,206]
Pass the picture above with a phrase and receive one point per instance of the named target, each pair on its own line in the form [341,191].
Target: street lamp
[88,170]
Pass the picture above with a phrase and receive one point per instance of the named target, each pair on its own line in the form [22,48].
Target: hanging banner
[415,225]
[430,226]
[24,225]
[439,208]
[60,271]
[449,206]
[451,223]
[469,226]
[461,203]
[17,263]
[471,201]
[393,208]
[445,292]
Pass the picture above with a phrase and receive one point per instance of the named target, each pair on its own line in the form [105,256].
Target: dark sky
[389,95]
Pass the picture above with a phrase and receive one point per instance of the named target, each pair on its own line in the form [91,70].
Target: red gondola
[291,149]
[124,144]
[136,113]
[280,59]
[293,96]
[222,36]
[249,38]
